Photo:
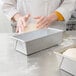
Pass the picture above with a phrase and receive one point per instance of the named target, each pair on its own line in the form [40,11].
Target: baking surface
[13,63]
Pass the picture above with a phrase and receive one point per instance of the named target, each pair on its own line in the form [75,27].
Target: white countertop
[13,63]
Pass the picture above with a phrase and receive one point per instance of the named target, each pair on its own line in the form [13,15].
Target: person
[45,12]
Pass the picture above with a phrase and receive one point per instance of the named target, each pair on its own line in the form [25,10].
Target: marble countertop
[13,63]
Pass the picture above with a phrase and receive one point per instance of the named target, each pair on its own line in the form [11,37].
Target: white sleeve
[66,8]
[9,8]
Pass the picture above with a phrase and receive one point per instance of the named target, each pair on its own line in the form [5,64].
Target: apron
[38,7]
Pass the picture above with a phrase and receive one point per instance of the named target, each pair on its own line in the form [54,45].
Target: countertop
[13,63]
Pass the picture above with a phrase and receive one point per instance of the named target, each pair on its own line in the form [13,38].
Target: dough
[70,53]
[31,27]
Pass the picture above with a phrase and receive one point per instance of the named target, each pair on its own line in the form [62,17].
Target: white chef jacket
[38,7]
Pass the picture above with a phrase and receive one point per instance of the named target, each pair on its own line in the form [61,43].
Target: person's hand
[45,21]
[21,22]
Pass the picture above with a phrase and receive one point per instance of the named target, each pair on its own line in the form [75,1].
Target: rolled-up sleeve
[66,8]
[9,8]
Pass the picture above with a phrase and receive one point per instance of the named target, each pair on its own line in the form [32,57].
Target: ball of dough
[31,27]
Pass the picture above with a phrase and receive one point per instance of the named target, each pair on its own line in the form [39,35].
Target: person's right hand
[21,22]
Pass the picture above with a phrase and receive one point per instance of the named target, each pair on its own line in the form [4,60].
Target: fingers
[22,23]
[41,19]
[42,22]
[37,17]
[17,29]
[44,25]
[26,17]
[20,27]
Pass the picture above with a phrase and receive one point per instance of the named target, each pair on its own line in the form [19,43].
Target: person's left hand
[45,21]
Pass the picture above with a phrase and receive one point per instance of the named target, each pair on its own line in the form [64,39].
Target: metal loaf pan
[38,40]
[66,63]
